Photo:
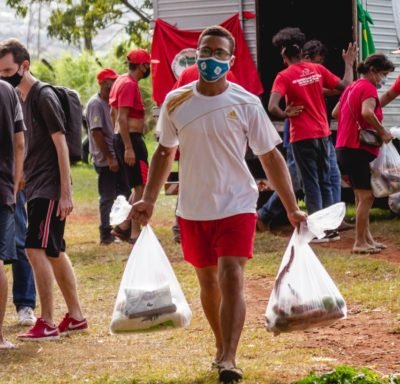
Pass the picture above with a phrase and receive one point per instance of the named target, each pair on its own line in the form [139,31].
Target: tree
[80,20]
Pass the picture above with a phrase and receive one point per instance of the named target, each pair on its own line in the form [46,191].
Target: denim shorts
[7,234]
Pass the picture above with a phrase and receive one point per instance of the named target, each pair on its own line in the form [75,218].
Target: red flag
[248,15]
[173,49]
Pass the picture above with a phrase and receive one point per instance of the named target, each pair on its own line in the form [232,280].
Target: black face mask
[14,79]
[147,73]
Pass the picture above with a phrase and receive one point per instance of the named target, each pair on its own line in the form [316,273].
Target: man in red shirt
[302,84]
[127,113]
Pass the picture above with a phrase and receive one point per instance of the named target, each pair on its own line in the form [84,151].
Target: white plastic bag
[149,294]
[385,171]
[120,210]
[304,295]
[394,203]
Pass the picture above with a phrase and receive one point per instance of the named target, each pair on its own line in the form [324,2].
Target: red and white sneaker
[70,325]
[41,331]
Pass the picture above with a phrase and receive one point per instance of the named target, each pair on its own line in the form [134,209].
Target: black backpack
[71,105]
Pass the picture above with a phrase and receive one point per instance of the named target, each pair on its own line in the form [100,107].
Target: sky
[28,32]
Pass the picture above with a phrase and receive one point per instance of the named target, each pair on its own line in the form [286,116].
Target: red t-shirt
[355,94]
[191,73]
[125,93]
[302,84]
[396,86]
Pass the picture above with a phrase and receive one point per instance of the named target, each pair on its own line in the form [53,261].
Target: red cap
[138,56]
[106,73]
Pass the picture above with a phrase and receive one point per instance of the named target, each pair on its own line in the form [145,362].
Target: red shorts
[203,242]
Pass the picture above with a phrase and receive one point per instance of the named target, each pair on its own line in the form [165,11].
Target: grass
[181,356]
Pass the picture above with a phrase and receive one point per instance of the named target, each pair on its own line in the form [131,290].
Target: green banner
[367,43]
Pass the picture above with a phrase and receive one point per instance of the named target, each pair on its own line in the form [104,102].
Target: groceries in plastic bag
[304,295]
[149,295]
[385,171]
[120,210]
[394,203]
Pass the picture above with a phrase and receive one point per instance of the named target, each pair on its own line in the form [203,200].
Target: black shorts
[136,175]
[45,229]
[354,163]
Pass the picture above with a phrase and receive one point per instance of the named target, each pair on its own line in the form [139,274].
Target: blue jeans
[313,161]
[107,183]
[273,210]
[24,293]
[336,178]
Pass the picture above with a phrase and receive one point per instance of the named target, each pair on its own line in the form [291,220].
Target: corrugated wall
[385,39]
[249,28]
[197,15]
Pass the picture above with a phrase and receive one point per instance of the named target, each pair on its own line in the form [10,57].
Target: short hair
[16,48]
[377,61]
[313,48]
[291,39]
[217,30]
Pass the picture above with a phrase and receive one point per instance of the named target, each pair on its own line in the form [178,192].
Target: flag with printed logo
[173,50]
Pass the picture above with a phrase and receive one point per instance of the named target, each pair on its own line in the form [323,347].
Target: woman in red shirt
[359,106]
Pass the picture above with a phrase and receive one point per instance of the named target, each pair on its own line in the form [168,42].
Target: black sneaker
[330,236]
[107,240]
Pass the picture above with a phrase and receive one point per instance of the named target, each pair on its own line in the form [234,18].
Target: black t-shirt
[11,122]
[43,116]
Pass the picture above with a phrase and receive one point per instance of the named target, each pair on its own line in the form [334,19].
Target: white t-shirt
[212,133]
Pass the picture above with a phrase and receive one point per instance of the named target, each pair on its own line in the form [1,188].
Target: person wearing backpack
[48,193]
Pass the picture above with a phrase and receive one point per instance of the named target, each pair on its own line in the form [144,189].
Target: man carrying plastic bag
[212,121]
[304,296]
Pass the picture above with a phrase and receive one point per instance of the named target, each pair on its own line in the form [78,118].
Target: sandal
[122,234]
[230,375]
[365,250]
[379,245]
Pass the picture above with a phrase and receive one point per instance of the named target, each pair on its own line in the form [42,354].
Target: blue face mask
[212,69]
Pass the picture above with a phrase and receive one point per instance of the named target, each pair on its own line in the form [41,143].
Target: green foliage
[139,33]
[348,375]
[79,21]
